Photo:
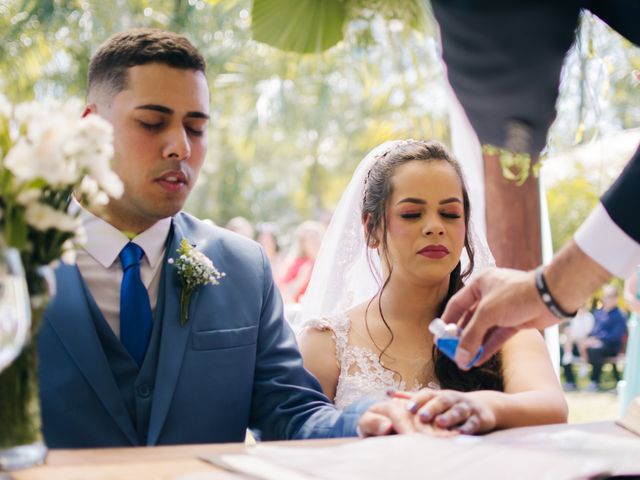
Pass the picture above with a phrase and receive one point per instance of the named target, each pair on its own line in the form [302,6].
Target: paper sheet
[536,457]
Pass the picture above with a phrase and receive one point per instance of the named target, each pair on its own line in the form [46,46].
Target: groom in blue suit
[117,367]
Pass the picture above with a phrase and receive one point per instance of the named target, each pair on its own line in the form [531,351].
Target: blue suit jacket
[234,365]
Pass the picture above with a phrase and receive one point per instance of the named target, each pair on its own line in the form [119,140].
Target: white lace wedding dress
[361,373]
[345,275]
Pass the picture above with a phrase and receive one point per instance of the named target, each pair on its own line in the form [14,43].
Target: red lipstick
[434,251]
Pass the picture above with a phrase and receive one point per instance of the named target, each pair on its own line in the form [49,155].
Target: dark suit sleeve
[622,200]
[503,69]
[287,400]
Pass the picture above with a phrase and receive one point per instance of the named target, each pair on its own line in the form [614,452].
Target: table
[141,463]
[172,462]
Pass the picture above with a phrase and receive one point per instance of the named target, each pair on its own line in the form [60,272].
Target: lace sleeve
[339,328]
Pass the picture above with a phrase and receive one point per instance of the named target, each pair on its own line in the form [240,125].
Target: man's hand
[387,417]
[499,302]
[492,308]
[395,416]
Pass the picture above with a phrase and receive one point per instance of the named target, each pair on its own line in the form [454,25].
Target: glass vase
[15,313]
[21,442]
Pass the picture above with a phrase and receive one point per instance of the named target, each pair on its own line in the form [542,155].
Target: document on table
[622,453]
[420,456]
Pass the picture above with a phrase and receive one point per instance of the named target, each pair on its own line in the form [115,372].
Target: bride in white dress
[389,262]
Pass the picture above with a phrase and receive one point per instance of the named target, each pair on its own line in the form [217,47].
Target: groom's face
[160,140]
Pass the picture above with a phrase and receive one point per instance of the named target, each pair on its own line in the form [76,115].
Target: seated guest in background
[575,345]
[405,216]
[123,359]
[605,340]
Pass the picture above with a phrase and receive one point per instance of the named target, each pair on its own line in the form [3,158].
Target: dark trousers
[568,368]
[596,359]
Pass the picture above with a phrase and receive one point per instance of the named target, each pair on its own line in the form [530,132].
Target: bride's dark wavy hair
[377,191]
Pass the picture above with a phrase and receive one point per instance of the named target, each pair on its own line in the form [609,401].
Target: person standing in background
[299,263]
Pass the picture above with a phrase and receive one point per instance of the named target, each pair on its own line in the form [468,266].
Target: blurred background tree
[595,131]
[288,129]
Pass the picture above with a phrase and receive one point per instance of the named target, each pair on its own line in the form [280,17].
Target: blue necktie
[135,309]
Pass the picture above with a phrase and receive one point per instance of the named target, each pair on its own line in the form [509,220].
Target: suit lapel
[71,320]
[173,341]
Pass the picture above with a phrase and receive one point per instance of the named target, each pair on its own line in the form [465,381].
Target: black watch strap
[547,298]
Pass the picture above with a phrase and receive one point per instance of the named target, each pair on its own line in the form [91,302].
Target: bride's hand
[395,416]
[453,410]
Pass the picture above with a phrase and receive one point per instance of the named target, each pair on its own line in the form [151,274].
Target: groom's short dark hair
[109,64]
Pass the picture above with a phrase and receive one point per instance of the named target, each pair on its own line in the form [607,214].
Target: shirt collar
[104,241]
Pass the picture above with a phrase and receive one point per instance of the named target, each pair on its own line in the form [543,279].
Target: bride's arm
[318,350]
[532,394]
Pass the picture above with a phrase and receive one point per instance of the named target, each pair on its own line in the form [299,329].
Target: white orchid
[68,253]
[28,196]
[43,217]
[50,152]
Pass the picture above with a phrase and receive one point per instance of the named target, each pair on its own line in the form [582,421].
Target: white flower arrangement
[195,269]
[47,153]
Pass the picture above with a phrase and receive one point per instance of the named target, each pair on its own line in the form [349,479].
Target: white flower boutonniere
[195,269]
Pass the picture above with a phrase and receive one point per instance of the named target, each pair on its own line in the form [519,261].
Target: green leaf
[15,227]
[302,26]
[6,178]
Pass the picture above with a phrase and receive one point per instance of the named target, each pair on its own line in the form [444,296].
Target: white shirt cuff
[605,242]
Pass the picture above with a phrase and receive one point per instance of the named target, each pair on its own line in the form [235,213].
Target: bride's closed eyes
[417,215]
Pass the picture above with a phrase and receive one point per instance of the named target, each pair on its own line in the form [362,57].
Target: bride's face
[425,221]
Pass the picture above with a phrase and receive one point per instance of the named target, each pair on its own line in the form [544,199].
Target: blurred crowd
[291,260]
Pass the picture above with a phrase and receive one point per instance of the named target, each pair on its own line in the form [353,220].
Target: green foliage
[569,202]
[287,130]
[599,88]
[303,26]
[312,26]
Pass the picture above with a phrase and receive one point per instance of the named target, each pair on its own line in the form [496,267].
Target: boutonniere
[195,269]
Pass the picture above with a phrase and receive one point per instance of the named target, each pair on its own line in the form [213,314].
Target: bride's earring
[373,243]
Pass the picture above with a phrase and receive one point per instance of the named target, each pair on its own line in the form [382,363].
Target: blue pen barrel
[449,345]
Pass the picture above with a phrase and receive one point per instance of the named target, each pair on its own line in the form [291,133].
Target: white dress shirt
[606,243]
[100,266]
